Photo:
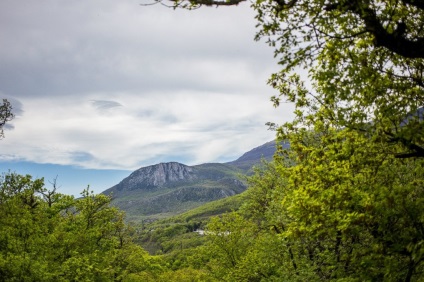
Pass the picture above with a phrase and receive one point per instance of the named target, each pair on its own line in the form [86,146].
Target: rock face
[156,176]
[159,174]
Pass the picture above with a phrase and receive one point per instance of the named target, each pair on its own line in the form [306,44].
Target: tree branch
[212,2]
[416,3]
[394,41]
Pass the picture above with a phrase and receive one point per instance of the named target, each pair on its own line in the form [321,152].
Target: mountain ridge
[166,189]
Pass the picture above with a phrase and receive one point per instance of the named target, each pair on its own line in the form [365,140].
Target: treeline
[335,207]
[48,236]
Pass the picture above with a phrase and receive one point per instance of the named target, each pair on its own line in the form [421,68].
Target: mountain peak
[162,173]
[155,176]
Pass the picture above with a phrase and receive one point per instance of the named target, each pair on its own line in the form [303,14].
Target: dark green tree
[6,115]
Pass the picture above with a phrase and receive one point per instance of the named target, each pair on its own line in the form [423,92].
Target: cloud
[116,85]
[81,157]
[103,105]
[123,47]
[8,126]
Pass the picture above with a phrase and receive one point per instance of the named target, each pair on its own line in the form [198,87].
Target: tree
[47,236]
[335,208]
[6,115]
[363,59]
[356,210]
[230,237]
[349,203]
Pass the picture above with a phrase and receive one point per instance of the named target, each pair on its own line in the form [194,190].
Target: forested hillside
[167,189]
[344,203]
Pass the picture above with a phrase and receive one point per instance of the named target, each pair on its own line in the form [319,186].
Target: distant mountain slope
[254,156]
[167,189]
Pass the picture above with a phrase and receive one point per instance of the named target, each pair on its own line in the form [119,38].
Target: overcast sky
[110,84]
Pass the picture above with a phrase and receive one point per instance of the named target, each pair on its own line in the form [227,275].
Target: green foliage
[210,209]
[174,234]
[337,207]
[358,209]
[186,275]
[350,206]
[46,236]
[359,65]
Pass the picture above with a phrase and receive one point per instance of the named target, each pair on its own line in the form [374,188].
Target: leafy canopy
[48,236]
[336,208]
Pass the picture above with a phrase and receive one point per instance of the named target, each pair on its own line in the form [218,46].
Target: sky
[101,88]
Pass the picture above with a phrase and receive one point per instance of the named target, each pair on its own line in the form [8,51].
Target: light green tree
[356,210]
[337,208]
[230,237]
[347,199]
[47,236]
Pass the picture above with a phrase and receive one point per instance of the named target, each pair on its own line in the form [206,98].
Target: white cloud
[111,84]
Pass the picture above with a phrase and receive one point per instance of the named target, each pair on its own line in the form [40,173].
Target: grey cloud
[10,157]
[81,157]
[145,113]
[169,118]
[157,115]
[115,53]
[163,65]
[8,126]
[169,151]
[235,126]
[102,105]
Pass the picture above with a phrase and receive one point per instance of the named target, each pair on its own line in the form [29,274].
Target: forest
[344,203]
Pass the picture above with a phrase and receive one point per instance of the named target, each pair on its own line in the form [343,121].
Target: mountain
[254,156]
[166,189]
[155,176]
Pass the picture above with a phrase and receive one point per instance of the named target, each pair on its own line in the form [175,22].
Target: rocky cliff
[156,176]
